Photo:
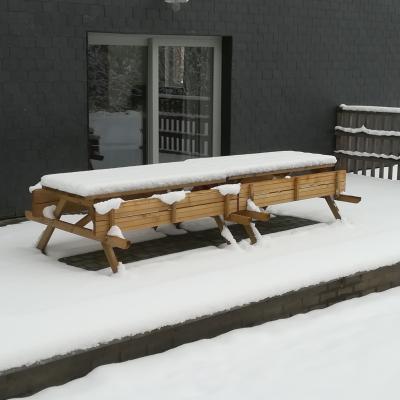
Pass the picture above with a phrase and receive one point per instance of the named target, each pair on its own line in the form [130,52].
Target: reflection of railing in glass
[185,134]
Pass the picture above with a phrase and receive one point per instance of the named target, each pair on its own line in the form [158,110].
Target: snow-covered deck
[49,308]
[349,351]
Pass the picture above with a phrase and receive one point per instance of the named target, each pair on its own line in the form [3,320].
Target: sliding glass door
[153,99]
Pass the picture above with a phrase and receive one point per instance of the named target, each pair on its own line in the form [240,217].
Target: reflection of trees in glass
[198,71]
[189,68]
[98,70]
[171,66]
[117,78]
[186,71]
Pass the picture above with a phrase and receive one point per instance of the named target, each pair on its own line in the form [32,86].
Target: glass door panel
[117,93]
[185,96]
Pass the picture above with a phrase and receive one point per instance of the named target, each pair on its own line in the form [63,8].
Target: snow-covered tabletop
[104,181]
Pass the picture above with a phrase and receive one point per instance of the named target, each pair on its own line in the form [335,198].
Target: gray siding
[293,61]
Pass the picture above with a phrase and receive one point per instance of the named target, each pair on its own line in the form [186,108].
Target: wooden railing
[368,141]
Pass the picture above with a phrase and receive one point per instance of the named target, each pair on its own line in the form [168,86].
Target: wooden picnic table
[134,197]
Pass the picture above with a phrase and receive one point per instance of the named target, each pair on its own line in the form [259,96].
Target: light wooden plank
[48,232]
[84,221]
[84,232]
[347,198]
[333,207]
[111,257]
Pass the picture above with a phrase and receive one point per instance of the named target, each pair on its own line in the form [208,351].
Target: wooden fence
[368,141]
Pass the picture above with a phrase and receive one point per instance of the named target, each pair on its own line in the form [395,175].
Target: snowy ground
[349,351]
[50,308]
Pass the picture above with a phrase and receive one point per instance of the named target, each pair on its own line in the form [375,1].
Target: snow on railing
[363,129]
[373,109]
[368,140]
[366,154]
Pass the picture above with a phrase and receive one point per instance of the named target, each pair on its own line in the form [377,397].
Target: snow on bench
[143,177]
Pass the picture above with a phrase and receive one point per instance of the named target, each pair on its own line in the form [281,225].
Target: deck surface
[95,261]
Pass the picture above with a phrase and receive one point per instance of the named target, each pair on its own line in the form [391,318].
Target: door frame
[153,42]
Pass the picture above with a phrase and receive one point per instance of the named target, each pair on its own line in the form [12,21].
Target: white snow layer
[36,288]
[257,233]
[227,234]
[35,187]
[367,131]
[233,189]
[394,110]
[365,154]
[200,170]
[251,206]
[171,197]
[116,232]
[48,212]
[347,351]
[105,207]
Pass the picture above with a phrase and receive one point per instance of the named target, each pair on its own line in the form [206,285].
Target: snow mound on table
[171,197]
[116,232]
[183,174]
[35,187]
[48,212]
[105,207]
[225,190]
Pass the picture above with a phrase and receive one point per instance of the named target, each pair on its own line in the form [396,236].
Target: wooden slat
[71,228]
[44,196]
[84,220]
[259,216]
[111,258]
[200,211]
[348,199]
[72,198]
[263,201]
[322,193]
[200,197]
[333,207]
[146,220]
[279,172]
[239,219]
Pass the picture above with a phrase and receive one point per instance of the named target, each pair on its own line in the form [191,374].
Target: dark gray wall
[293,62]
